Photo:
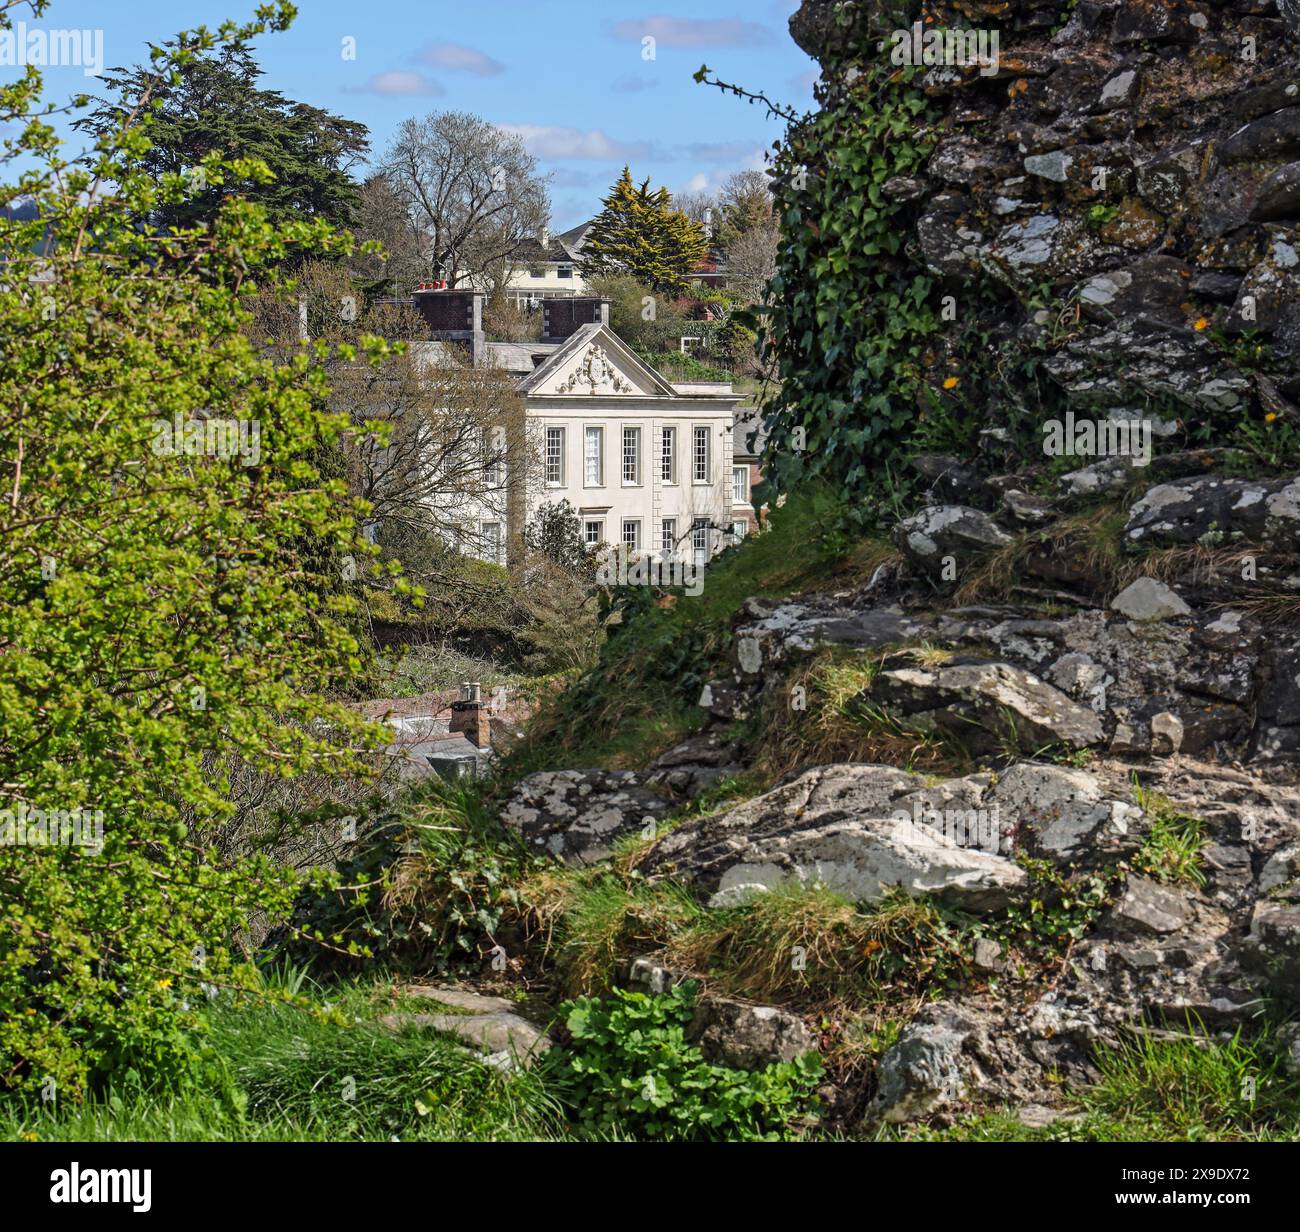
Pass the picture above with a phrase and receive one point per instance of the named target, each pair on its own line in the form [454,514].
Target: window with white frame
[632,534]
[668,456]
[593,532]
[740,484]
[668,537]
[493,464]
[593,474]
[700,455]
[700,540]
[632,455]
[555,457]
[490,540]
[739,530]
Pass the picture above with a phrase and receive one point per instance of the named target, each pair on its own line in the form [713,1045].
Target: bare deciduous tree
[470,189]
[751,259]
[439,447]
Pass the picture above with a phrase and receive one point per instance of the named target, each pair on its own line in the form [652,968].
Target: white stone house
[644,461]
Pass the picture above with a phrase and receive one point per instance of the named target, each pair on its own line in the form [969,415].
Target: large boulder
[1213,511]
[983,702]
[1064,815]
[578,815]
[940,531]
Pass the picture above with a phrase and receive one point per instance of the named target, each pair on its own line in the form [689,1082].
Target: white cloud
[397,84]
[712,180]
[461,59]
[719,151]
[694,32]
[547,141]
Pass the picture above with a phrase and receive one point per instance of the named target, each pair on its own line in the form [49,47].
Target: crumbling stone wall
[1126,180]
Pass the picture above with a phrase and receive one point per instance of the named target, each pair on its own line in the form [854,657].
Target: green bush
[630,1069]
[426,888]
[170,610]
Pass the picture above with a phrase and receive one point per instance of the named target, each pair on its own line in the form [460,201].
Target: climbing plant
[849,319]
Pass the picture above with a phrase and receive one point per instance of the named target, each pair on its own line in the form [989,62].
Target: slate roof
[561,250]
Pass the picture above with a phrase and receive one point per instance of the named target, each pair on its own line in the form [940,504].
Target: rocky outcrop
[863,831]
[1198,662]
[986,702]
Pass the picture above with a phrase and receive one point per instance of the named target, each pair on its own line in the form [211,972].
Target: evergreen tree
[638,232]
[210,102]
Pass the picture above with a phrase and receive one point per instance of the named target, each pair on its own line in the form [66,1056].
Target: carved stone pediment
[596,375]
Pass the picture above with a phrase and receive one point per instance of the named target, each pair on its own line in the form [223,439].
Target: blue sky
[569,75]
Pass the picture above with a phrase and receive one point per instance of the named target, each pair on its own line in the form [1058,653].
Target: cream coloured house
[546,267]
[645,462]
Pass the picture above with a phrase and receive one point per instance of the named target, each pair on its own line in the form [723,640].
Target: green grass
[1172,849]
[1190,1088]
[317,1071]
[640,698]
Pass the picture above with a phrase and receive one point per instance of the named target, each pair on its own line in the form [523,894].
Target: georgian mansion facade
[645,462]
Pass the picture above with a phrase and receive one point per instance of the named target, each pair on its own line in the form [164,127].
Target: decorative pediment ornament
[598,374]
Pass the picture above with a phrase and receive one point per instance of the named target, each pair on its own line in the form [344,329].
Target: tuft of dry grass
[805,946]
[1091,543]
[838,722]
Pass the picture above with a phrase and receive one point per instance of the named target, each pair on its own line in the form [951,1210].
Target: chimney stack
[562,318]
[544,238]
[454,315]
[470,716]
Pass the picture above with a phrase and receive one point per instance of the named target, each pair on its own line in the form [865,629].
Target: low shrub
[630,1069]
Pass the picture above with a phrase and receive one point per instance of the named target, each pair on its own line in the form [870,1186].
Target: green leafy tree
[159,622]
[209,102]
[638,232]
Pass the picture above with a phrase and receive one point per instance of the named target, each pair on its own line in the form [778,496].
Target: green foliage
[630,1068]
[1196,1086]
[1060,908]
[210,104]
[850,318]
[556,532]
[640,234]
[641,696]
[317,1069]
[1171,851]
[164,615]
[679,367]
[426,888]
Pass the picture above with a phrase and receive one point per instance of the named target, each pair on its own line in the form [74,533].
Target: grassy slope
[640,698]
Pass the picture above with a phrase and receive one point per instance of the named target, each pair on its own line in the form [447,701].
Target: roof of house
[578,342]
[576,238]
[560,249]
